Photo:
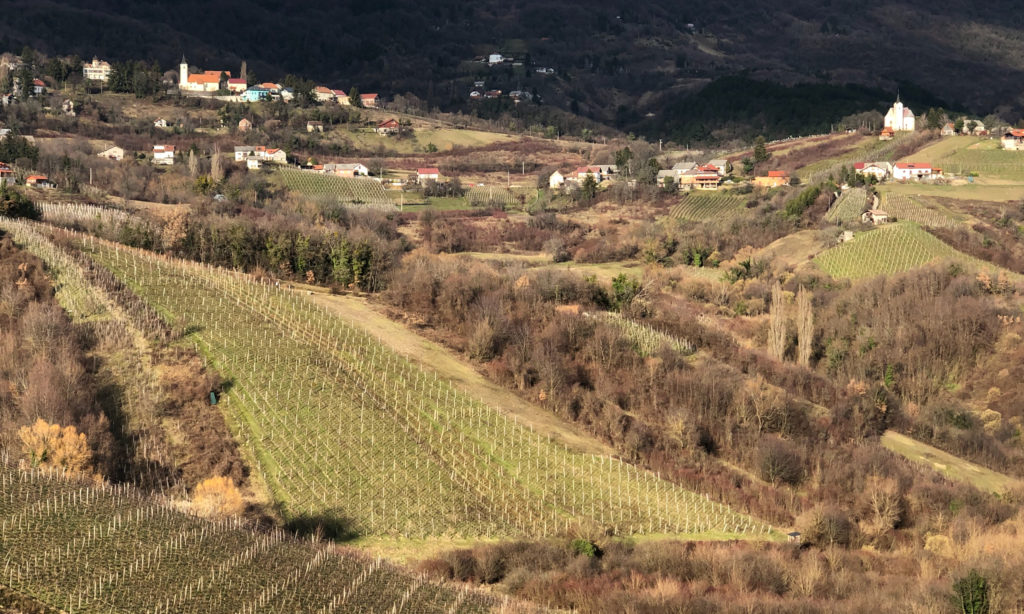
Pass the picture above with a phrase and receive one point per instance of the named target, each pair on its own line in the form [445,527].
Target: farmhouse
[97,70]
[887,134]
[253,163]
[38,181]
[774,179]
[704,177]
[114,153]
[388,126]
[163,154]
[902,171]
[237,86]
[948,130]
[323,94]
[370,101]
[874,216]
[1013,140]
[347,170]
[426,174]
[879,170]
[261,153]
[899,118]
[206,81]
[581,173]
[495,58]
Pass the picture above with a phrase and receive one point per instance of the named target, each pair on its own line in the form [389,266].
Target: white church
[899,117]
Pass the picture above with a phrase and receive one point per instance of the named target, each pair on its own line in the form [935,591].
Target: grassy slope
[951,466]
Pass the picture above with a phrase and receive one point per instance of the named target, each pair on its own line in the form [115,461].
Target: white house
[324,94]
[347,170]
[878,170]
[97,70]
[114,153]
[721,164]
[556,180]
[899,118]
[874,216]
[1013,140]
[237,86]
[427,174]
[495,58]
[160,123]
[253,163]
[163,154]
[261,153]
[902,171]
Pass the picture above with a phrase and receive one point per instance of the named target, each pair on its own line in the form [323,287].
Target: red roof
[888,130]
[708,168]
[236,81]
[270,86]
[428,171]
[340,93]
[1016,133]
[323,90]
[912,165]
[778,174]
[36,178]
[388,123]
[40,83]
[158,148]
[368,96]
[204,78]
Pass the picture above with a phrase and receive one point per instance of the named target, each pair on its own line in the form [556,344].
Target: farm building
[556,180]
[427,174]
[346,170]
[38,181]
[370,101]
[721,164]
[113,153]
[902,171]
[163,154]
[313,126]
[887,134]
[774,179]
[878,170]
[253,163]
[388,126]
[160,123]
[237,86]
[323,94]
[1013,140]
[875,216]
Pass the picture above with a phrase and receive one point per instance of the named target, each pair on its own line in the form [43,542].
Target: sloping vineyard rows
[90,549]
[912,209]
[709,207]
[893,248]
[68,214]
[341,427]
[848,207]
[484,195]
[647,339]
[345,189]
[984,161]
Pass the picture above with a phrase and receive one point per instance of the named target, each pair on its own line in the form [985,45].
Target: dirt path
[434,357]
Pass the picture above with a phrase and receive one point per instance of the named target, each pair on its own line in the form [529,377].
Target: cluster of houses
[899,171]
[694,176]
[598,172]
[255,156]
[7,177]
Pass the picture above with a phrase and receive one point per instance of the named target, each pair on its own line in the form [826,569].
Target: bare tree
[805,326]
[193,164]
[216,170]
[777,323]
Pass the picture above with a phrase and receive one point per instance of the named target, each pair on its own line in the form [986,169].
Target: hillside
[614,63]
[83,548]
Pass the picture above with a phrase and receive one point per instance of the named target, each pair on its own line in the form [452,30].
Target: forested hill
[615,61]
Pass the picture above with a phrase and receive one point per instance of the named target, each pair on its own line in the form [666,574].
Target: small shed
[875,216]
[793,536]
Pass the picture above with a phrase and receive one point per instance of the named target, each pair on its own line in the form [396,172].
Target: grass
[892,248]
[952,467]
[345,430]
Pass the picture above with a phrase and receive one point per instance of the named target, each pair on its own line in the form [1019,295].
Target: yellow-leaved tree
[51,445]
[217,497]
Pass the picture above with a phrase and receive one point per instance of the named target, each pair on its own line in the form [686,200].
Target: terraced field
[92,549]
[709,207]
[848,206]
[355,190]
[892,248]
[918,209]
[339,427]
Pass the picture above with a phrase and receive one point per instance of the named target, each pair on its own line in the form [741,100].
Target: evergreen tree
[761,153]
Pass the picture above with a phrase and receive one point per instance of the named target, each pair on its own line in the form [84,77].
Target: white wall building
[97,70]
[163,154]
[899,117]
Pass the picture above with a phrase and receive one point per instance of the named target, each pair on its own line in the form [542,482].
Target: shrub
[585,547]
[217,497]
[50,445]
[970,594]
[779,462]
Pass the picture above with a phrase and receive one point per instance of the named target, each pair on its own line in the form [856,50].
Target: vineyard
[83,548]
[338,426]
[355,190]
[917,209]
[709,207]
[983,158]
[69,214]
[506,197]
[648,340]
[893,248]
[848,207]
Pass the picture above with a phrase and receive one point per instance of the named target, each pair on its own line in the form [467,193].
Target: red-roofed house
[369,101]
[879,170]
[163,154]
[581,173]
[902,171]
[887,134]
[38,87]
[426,174]
[6,174]
[1013,140]
[237,86]
[38,181]
[341,97]
[388,126]
[774,179]
[323,94]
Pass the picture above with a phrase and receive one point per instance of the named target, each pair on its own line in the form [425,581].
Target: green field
[707,206]
[848,206]
[92,549]
[919,209]
[953,467]
[338,426]
[354,190]
[892,248]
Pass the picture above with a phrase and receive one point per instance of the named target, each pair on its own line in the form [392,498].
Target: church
[899,117]
[206,81]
